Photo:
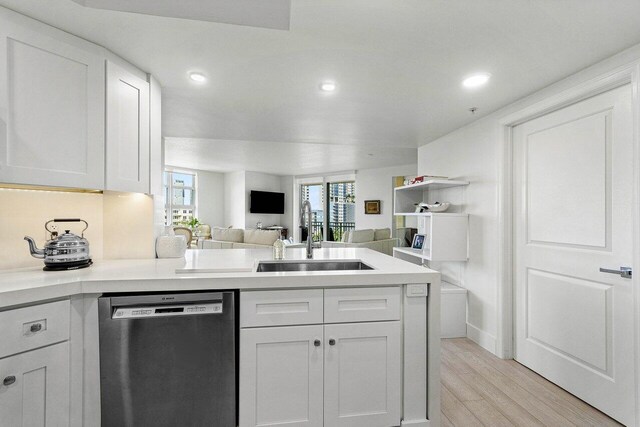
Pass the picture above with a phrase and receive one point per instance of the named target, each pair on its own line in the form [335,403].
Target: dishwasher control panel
[166,310]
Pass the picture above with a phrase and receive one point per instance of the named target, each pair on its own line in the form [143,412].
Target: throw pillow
[261,237]
[228,234]
[361,236]
[382,234]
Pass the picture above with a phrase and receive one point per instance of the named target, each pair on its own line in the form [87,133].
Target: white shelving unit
[447,233]
[405,197]
[446,238]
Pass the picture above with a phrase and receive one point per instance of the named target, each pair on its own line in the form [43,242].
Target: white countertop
[212,269]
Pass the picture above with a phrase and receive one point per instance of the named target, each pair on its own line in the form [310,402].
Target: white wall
[211,200]
[237,190]
[260,182]
[287,186]
[234,206]
[472,153]
[377,184]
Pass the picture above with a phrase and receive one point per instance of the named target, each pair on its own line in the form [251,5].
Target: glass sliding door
[315,194]
[341,208]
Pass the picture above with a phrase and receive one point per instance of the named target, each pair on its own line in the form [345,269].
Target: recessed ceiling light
[198,77]
[327,86]
[476,80]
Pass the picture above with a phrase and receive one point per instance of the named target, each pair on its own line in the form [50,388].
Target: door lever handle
[625,272]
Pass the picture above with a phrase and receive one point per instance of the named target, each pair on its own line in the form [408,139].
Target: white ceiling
[398,65]
[257,13]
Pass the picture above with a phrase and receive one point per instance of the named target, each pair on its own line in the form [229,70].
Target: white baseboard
[415,423]
[482,338]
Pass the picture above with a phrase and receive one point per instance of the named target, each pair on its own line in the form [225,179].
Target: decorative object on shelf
[421,207]
[259,225]
[422,178]
[372,207]
[437,206]
[418,241]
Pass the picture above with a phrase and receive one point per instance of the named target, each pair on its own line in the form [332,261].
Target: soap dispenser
[278,249]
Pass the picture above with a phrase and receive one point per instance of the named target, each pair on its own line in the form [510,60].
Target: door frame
[628,74]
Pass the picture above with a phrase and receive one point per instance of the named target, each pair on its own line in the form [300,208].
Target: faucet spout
[306,211]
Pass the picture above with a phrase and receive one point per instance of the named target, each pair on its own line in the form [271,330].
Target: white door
[34,388]
[362,375]
[127,131]
[573,191]
[51,106]
[281,376]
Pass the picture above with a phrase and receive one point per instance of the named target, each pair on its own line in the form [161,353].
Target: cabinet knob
[332,342]
[9,380]
[36,327]
[316,342]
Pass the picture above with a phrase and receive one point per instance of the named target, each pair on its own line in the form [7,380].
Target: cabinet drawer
[279,308]
[32,327]
[361,304]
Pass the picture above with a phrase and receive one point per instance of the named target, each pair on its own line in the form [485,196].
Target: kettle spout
[35,252]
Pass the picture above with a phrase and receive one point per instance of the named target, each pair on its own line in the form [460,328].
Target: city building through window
[180,197]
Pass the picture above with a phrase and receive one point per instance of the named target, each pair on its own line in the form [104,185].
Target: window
[180,197]
[314,194]
[335,213]
[342,208]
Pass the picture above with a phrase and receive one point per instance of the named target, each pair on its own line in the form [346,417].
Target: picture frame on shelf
[372,207]
[418,241]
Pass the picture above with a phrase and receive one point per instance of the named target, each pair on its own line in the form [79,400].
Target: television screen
[265,202]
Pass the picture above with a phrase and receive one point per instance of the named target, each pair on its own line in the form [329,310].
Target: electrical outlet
[53,227]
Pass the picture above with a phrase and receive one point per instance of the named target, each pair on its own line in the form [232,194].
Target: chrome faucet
[306,210]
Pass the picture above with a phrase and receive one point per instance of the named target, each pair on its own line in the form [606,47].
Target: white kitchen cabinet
[52,106]
[316,373]
[127,162]
[362,374]
[281,376]
[34,387]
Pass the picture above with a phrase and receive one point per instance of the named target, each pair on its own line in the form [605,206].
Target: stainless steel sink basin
[274,266]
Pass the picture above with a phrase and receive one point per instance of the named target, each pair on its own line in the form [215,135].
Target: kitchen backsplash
[120,224]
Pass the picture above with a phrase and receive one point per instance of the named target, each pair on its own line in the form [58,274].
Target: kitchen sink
[274,266]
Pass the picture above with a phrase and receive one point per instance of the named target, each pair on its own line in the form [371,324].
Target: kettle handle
[86,224]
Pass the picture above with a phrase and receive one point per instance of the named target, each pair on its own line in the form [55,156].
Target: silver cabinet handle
[316,342]
[625,272]
[36,327]
[332,342]
[9,380]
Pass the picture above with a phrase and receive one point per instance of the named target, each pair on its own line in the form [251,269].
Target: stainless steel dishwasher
[168,360]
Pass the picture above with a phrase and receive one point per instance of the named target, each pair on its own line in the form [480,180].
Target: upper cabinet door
[127,131]
[51,106]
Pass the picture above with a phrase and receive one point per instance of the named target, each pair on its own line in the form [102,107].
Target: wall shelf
[446,238]
[446,233]
[430,214]
[432,184]
[406,197]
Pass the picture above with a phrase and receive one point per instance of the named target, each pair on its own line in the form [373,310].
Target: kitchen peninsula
[386,317]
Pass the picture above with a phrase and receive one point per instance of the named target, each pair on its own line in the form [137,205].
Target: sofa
[239,238]
[379,240]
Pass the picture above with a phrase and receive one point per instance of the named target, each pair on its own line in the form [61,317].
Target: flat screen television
[266,202]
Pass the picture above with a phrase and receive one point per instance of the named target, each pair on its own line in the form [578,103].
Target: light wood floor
[479,389]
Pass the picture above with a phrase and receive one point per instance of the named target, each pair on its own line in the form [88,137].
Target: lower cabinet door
[362,375]
[281,376]
[34,387]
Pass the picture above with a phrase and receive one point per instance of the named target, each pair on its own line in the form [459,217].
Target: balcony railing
[336,230]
